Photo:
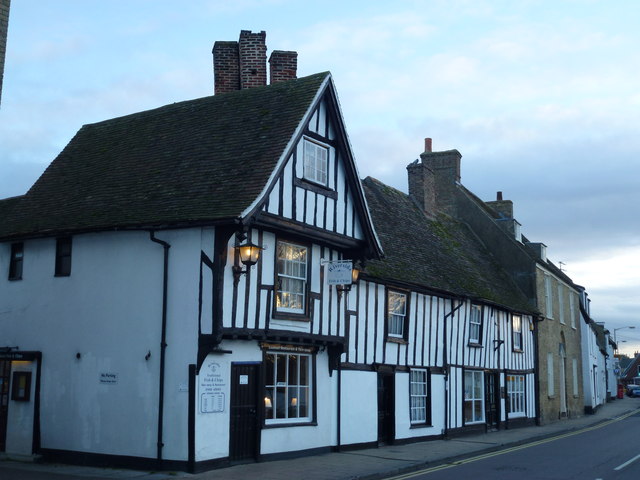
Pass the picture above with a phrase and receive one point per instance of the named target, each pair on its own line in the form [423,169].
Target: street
[604,452]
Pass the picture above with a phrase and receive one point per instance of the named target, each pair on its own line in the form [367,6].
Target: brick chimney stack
[503,207]
[226,67]
[243,64]
[253,59]
[422,187]
[283,66]
[446,173]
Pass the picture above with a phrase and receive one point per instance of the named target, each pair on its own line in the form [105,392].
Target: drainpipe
[536,373]
[339,405]
[163,342]
[445,365]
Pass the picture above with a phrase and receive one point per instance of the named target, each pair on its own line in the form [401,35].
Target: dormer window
[315,162]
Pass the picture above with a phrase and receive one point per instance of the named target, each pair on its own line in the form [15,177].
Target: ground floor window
[515,395]
[473,396]
[287,387]
[419,396]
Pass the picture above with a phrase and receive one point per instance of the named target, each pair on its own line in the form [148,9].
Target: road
[609,451]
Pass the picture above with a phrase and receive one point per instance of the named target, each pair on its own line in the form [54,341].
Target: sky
[541,98]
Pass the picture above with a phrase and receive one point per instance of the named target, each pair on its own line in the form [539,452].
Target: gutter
[163,343]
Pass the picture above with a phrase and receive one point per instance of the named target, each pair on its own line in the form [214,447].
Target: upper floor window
[561,302]
[15,262]
[419,396]
[396,314]
[63,257]
[316,163]
[548,296]
[291,281]
[572,308]
[516,322]
[288,388]
[475,324]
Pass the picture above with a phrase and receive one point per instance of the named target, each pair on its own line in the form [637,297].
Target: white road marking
[620,467]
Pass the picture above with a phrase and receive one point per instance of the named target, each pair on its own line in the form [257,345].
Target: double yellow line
[511,449]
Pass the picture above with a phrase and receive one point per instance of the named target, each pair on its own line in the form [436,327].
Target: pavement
[366,464]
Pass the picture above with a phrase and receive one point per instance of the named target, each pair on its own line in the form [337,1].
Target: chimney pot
[499,196]
[428,145]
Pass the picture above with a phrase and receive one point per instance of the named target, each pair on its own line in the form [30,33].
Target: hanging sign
[339,272]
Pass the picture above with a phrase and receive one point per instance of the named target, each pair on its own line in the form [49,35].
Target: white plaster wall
[403,415]
[359,415]
[19,439]
[109,312]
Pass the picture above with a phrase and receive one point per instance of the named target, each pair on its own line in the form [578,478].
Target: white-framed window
[551,388]
[396,313]
[515,395]
[475,324]
[288,387]
[316,162]
[473,396]
[561,302]
[574,365]
[548,296]
[291,281]
[516,323]
[418,396]
[572,308]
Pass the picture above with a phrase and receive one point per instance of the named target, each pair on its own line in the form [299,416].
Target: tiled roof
[201,160]
[440,254]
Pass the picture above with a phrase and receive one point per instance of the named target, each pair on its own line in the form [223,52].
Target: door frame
[386,406]
[493,377]
[257,369]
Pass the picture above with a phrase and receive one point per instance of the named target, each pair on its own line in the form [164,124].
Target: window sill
[518,350]
[15,279]
[516,415]
[398,340]
[316,187]
[420,425]
[292,424]
[475,345]
[300,317]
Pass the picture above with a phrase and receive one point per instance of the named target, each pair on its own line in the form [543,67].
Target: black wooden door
[491,400]
[243,443]
[386,410]
[5,370]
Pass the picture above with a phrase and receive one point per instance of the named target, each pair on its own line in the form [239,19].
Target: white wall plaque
[244,379]
[213,387]
[108,378]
